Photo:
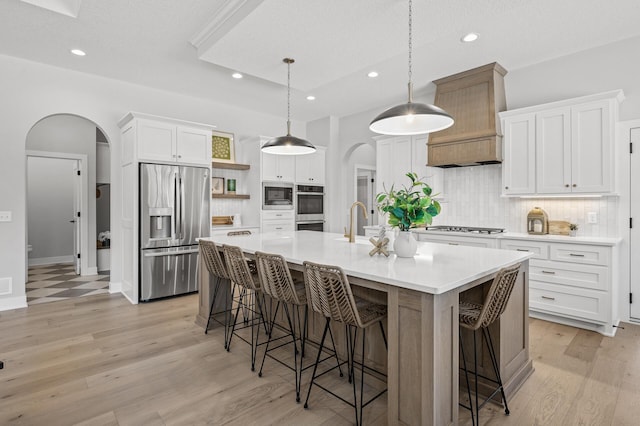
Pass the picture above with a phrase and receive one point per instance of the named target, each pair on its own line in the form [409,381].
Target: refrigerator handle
[174,222]
[182,208]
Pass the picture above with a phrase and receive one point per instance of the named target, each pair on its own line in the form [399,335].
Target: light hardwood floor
[98,360]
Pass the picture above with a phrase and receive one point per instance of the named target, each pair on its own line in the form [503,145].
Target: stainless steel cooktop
[471,229]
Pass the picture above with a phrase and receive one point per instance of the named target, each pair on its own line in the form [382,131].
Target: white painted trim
[8,303]
[84,202]
[39,261]
[90,271]
[115,288]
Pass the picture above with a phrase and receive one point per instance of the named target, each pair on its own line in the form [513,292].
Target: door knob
[72,221]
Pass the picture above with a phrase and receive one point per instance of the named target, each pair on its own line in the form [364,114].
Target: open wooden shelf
[233,196]
[232,166]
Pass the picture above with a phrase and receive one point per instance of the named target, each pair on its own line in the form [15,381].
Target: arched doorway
[61,231]
[360,165]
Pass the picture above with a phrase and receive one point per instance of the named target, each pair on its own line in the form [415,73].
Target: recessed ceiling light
[468,38]
[78,52]
[236,75]
[311,98]
[372,74]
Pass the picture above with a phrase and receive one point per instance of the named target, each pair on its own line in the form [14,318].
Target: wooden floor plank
[102,361]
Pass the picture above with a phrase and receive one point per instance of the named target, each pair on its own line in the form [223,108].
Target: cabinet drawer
[580,276]
[539,249]
[277,214]
[580,253]
[458,240]
[277,226]
[590,305]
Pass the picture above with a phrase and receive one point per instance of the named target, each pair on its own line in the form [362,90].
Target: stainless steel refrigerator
[174,211]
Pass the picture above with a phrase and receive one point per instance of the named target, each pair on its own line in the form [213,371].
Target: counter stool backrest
[329,293]
[238,267]
[496,300]
[275,278]
[212,259]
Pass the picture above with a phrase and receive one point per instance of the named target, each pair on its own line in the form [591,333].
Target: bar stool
[474,316]
[329,293]
[243,277]
[277,282]
[217,269]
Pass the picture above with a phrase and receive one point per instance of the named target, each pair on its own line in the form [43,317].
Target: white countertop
[436,269]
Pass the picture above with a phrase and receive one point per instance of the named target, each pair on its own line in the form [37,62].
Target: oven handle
[309,222]
[309,193]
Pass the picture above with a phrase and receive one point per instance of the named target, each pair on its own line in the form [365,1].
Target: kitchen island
[422,294]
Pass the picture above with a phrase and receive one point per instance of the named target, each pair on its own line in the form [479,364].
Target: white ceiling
[192,46]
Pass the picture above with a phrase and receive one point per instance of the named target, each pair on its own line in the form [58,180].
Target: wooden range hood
[473,98]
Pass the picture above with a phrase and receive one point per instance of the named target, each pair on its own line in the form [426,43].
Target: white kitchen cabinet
[165,140]
[278,168]
[278,220]
[561,148]
[570,283]
[518,167]
[310,168]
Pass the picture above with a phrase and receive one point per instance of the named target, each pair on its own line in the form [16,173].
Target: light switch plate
[5,216]
[592,217]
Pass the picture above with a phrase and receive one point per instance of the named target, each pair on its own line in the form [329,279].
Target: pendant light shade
[411,118]
[288,145]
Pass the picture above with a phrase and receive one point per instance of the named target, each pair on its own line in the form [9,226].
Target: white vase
[405,244]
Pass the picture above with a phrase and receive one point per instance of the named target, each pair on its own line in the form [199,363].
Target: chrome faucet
[351,235]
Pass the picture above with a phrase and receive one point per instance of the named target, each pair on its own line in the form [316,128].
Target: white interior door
[634,232]
[76,217]
[365,193]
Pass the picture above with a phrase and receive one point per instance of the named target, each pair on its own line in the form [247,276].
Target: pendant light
[411,118]
[288,145]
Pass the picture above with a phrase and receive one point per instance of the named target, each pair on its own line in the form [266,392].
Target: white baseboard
[38,261]
[90,271]
[115,287]
[8,303]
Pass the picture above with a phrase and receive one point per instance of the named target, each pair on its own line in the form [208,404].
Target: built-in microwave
[277,196]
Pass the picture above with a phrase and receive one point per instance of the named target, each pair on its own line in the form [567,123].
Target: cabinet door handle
[566,185]
[179,156]
[576,255]
[548,272]
[278,227]
[574,185]
[522,250]
[548,298]
[454,244]
[506,187]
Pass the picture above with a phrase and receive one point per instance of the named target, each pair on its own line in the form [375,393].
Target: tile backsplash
[472,198]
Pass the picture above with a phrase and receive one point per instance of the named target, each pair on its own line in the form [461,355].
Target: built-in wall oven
[277,196]
[310,208]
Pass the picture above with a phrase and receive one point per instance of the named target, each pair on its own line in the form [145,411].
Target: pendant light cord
[288,61]
[410,37]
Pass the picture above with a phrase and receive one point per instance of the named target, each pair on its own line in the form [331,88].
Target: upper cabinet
[278,168]
[560,148]
[310,168]
[166,140]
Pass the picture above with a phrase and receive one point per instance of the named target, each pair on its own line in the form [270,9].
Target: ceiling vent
[473,98]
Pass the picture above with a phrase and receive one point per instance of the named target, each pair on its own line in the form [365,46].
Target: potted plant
[407,208]
[573,229]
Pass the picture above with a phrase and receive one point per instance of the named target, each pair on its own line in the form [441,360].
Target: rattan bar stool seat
[475,316]
[244,277]
[329,293]
[279,285]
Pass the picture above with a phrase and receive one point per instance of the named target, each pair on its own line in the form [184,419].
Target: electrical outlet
[5,216]
[592,217]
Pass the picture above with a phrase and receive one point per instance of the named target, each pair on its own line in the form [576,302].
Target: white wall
[50,201]
[32,91]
